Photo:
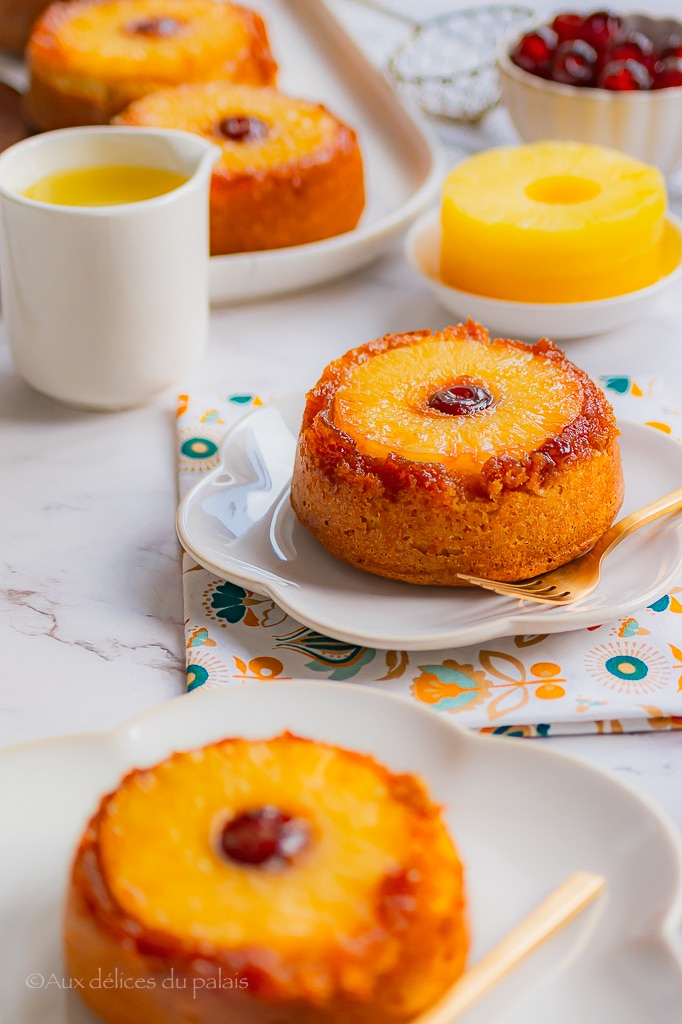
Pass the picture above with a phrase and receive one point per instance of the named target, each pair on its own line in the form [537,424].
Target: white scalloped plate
[238,523]
[523,815]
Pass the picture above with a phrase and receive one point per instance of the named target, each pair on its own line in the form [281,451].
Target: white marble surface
[90,588]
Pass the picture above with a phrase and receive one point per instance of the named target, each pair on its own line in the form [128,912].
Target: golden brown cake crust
[422,522]
[62,96]
[102,939]
[306,201]
[302,196]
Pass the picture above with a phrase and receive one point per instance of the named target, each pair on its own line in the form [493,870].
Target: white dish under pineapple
[561,321]
[238,523]
[524,818]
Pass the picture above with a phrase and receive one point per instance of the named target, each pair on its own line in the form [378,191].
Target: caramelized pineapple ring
[568,192]
[161,857]
[553,221]
[287,129]
[383,404]
[159,40]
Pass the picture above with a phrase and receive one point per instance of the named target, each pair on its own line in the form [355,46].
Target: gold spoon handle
[558,909]
[624,527]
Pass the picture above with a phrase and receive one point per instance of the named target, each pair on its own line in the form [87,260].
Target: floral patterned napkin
[614,677]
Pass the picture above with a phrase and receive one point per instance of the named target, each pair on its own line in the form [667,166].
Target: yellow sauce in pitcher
[104,186]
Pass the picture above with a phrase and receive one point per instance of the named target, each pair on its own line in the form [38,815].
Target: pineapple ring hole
[563,189]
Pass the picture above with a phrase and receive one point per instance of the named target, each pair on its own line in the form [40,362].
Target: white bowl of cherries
[598,77]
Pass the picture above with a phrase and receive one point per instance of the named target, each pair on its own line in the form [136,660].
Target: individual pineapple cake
[279,881]
[423,455]
[88,59]
[290,172]
[553,222]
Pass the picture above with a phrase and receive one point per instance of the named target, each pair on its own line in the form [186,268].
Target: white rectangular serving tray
[319,61]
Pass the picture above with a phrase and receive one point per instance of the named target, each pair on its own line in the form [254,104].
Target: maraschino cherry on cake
[425,455]
[88,59]
[290,171]
[277,881]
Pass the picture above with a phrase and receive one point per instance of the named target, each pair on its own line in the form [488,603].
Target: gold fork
[577,579]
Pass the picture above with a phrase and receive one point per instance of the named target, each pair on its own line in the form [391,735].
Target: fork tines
[532,589]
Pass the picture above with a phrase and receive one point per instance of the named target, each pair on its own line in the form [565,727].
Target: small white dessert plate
[524,817]
[238,523]
[561,321]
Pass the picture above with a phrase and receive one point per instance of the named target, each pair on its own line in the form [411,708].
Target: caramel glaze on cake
[290,172]
[88,59]
[526,482]
[344,906]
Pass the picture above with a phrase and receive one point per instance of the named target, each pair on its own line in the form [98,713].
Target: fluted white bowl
[561,321]
[647,125]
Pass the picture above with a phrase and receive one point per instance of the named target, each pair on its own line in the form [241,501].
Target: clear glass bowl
[447,64]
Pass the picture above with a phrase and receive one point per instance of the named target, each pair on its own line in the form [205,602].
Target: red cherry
[600,27]
[240,128]
[624,76]
[262,835]
[567,26]
[461,399]
[157,27]
[668,73]
[535,50]
[575,63]
[672,46]
[634,46]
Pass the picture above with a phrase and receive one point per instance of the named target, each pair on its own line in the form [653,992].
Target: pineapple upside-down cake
[425,455]
[279,881]
[88,59]
[289,171]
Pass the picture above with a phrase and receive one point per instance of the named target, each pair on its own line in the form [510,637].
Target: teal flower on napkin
[621,385]
[196,676]
[227,601]
[451,686]
[198,448]
[205,669]
[628,666]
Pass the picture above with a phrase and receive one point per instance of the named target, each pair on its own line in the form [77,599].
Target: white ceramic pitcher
[105,306]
